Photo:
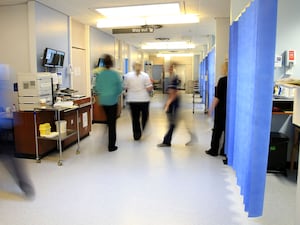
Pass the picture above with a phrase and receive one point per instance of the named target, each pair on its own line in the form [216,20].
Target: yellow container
[45,129]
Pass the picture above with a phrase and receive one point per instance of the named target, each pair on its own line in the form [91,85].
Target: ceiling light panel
[125,22]
[175,55]
[141,10]
[178,19]
[153,20]
[167,45]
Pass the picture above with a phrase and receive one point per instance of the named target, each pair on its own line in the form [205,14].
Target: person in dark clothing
[219,105]
[138,86]
[109,87]
[15,167]
[171,107]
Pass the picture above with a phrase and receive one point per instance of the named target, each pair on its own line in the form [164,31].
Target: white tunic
[136,86]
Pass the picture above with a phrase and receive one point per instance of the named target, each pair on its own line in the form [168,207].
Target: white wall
[14,50]
[288,32]
[222,44]
[80,78]
[134,55]
[196,65]
[52,31]
[100,43]
[236,7]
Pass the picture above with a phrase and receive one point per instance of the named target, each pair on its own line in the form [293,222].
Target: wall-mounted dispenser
[278,61]
[290,58]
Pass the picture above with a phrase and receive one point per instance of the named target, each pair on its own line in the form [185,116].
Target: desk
[24,129]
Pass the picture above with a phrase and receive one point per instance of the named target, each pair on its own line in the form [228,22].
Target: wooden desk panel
[98,112]
[24,133]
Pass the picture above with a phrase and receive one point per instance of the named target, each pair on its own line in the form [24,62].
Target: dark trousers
[218,130]
[111,118]
[172,115]
[14,167]
[139,117]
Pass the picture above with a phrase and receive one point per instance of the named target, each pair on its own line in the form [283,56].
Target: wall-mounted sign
[133,30]
[291,55]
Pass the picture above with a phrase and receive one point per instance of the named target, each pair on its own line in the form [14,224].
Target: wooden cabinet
[85,125]
[98,112]
[24,133]
[84,117]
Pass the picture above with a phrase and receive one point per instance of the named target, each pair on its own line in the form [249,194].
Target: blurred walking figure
[139,87]
[172,109]
[14,166]
[219,107]
[108,88]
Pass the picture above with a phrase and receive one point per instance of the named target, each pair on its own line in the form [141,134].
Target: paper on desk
[66,104]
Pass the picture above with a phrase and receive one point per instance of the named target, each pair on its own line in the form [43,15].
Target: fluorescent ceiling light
[141,10]
[175,55]
[153,20]
[124,22]
[167,45]
[178,19]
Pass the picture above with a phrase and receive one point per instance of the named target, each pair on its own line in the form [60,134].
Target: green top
[108,87]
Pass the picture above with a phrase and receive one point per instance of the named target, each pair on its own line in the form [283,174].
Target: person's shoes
[27,189]
[211,153]
[225,161]
[162,145]
[192,141]
[137,137]
[115,148]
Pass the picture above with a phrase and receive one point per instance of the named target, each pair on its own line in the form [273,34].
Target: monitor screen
[59,59]
[49,55]
[101,62]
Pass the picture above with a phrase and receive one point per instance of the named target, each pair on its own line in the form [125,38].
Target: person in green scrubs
[108,88]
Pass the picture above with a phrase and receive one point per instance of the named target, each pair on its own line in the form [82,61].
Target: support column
[222,44]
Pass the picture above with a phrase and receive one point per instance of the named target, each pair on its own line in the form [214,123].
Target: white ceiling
[84,11]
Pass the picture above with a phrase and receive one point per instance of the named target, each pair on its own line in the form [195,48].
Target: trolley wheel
[59,163]
[38,160]
[77,152]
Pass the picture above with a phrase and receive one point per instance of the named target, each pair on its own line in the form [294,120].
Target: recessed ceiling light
[141,10]
[167,45]
[125,22]
[175,55]
[177,19]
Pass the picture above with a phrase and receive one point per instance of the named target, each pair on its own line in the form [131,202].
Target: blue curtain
[250,88]
[202,80]
[208,85]
[211,64]
[126,66]
[231,95]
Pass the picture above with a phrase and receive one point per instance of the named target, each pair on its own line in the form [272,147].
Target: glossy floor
[141,184]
